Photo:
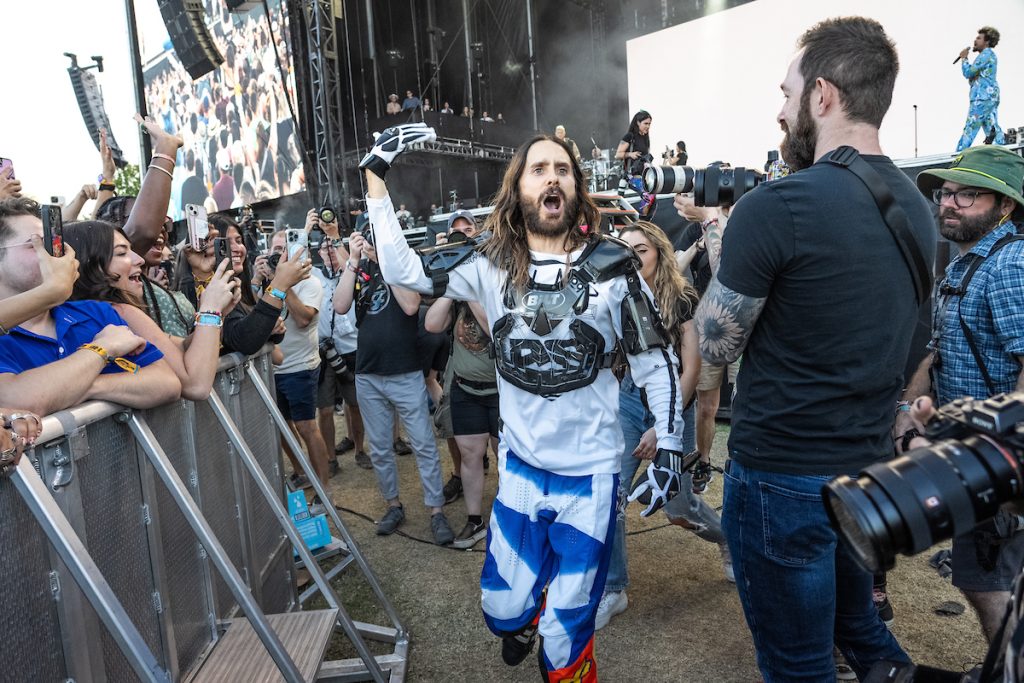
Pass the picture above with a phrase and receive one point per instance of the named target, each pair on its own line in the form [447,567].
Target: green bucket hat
[989,167]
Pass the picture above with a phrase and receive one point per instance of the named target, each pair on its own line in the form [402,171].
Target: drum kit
[603,171]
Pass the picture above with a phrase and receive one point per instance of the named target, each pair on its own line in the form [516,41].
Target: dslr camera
[715,185]
[334,360]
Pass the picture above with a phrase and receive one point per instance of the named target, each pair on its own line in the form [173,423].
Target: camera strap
[894,216]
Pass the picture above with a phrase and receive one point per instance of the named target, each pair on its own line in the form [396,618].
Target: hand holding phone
[53,229]
[222,251]
[198,227]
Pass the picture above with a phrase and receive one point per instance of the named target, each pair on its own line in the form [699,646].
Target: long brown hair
[675,296]
[507,248]
[93,242]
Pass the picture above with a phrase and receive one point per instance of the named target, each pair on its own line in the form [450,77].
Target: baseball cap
[988,167]
[462,213]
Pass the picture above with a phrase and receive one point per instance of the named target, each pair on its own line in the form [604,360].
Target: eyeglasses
[27,243]
[964,199]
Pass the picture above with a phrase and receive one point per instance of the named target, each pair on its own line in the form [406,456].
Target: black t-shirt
[433,347]
[824,364]
[637,143]
[700,267]
[387,336]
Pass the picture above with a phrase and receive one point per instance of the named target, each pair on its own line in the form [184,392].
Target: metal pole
[915,131]
[533,60]
[372,48]
[288,526]
[145,148]
[469,62]
[86,574]
[179,492]
[432,42]
[416,51]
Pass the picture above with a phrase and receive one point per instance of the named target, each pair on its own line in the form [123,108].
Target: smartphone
[221,251]
[198,228]
[53,229]
[6,168]
[296,239]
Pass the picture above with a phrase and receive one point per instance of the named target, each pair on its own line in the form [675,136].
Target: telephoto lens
[668,179]
[327,214]
[936,492]
[717,186]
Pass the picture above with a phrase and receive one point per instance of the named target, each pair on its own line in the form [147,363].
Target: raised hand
[392,142]
[107,157]
[219,294]
[58,273]
[291,270]
[163,142]
[9,187]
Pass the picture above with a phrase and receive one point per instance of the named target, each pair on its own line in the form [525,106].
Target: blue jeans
[801,591]
[635,420]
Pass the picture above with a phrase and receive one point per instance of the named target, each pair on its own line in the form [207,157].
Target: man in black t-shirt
[389,379]
[814,293]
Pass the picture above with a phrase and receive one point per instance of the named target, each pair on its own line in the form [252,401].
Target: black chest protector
[545,347]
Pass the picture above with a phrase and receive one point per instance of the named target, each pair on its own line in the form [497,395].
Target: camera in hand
[327,214]
[931,494]
[711,186]
[273,260]
[336,362]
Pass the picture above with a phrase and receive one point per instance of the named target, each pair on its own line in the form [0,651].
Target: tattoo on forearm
[724,321]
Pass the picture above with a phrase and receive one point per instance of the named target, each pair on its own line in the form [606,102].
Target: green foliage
[127,180]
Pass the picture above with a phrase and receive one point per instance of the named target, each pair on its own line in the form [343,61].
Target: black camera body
[933,493]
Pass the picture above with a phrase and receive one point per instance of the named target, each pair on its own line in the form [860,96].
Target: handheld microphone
[959,57]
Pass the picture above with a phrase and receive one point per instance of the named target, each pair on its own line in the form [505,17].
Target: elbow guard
[641,324]
[441,260]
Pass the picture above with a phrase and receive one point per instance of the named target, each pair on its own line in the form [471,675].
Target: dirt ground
[684,621]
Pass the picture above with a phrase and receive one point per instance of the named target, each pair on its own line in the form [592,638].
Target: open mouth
[552,201]
[135,278]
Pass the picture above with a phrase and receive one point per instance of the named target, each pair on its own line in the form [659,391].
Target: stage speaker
[186,26]
[90,103]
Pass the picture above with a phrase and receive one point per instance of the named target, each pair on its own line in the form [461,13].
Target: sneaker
[345,446]
[612,603]
[844,672]
[363,460]
[299,481]
[401,447]
[516,648]
[443,534]
[391,520]
[702,475]
[333,467]
[317,507]
[884,607]
[470,535]
[730,575]
[452,490]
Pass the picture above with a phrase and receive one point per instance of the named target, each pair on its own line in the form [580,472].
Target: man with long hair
[557,299]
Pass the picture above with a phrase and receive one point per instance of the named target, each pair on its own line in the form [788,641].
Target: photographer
[814,292]
[635,152]
[977,342]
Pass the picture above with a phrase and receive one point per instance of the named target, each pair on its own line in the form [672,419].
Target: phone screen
[53,229]
[222,250]
[6,168]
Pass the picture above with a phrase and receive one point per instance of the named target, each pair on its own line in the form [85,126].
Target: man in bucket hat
[977,341]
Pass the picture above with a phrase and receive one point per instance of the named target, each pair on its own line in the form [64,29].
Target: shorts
[711,375]
[296,394]
[329,388]
[969,575]
[472,414]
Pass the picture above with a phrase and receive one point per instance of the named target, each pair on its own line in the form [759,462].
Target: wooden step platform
[239,655]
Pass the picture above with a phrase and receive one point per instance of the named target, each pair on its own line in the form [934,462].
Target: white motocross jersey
[570,432]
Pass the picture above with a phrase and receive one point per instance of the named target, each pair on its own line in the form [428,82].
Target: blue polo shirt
[78,322]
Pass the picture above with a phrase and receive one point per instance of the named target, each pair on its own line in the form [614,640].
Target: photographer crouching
[814,292]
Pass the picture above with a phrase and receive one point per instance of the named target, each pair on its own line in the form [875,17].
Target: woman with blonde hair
[677,300]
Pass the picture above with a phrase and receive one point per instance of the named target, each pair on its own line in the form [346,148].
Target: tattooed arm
[724,321]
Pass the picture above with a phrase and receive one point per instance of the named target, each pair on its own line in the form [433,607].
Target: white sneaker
[730,575]
[612,603]
[844,672]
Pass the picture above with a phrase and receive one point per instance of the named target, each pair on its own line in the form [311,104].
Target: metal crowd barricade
[133,539]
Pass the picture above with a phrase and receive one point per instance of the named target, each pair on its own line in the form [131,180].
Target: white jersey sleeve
[401,266]
[656,371]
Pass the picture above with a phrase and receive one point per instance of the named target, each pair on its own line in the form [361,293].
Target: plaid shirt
[993,309]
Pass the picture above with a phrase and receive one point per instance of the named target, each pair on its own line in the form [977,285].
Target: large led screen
[240,137]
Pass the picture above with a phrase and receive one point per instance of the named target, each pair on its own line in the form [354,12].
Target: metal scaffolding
[325,102]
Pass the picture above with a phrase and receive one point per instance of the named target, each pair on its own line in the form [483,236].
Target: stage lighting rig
[90,103]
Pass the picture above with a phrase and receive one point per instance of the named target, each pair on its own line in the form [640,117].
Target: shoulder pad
[605,258]
[439,261]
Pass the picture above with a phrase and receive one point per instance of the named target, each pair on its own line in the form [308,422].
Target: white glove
[661,481]
[392,142]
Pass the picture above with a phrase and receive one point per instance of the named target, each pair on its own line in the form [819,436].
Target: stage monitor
[241,142]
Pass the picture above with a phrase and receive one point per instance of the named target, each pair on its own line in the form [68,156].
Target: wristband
[902,406]
[123,363]
[158,155]
[162,170]
[276,293]
[354,269]
[107,187]
[208,319]
[706,223]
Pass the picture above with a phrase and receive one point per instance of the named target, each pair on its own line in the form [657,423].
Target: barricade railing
[138,535]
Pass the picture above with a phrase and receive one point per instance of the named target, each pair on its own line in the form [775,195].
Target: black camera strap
[894,216]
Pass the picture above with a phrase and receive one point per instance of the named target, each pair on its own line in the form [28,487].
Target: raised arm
[984,60]
[58,276]
[146,220]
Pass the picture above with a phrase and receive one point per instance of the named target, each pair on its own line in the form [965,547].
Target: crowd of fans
[412,103]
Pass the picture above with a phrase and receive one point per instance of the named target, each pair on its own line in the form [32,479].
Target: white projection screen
[714,82]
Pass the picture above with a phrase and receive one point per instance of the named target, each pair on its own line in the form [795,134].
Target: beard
[798,145]
[969,229]
[536,225]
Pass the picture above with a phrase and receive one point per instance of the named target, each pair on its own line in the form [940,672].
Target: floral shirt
[982,75]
